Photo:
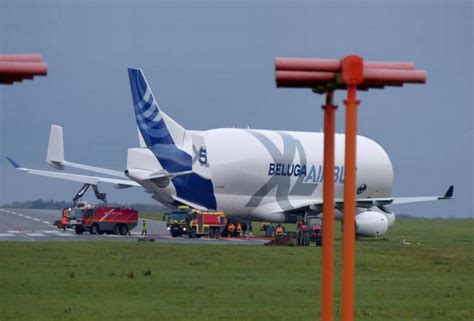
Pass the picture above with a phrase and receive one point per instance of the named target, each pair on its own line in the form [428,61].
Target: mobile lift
[97,220]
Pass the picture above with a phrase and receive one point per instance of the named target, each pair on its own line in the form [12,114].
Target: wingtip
[449,192]
[14,163]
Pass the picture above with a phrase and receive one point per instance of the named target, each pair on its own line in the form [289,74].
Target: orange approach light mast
[325,76]
[17,67]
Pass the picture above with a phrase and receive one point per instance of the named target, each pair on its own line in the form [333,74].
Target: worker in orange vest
[231,229]
[64,222]
[239,229]
[279,231]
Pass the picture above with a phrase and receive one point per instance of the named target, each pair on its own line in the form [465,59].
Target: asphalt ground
[37,225]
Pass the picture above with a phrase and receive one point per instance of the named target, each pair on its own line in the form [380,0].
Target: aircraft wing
[86,179]
[362,202]
[369,202]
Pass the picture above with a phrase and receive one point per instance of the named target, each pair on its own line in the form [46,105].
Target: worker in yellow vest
[231,229]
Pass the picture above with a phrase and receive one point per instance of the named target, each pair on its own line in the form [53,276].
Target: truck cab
[177,222]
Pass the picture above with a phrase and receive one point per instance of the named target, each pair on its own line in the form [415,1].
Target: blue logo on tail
[147,113]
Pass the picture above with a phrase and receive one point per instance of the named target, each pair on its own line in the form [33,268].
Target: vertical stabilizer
[155,127]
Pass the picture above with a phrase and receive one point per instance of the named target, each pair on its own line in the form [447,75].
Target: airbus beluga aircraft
[249,174]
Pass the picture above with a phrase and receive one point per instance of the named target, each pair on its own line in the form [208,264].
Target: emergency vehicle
[100,220]
[206,223]
[195,223]
[177,221]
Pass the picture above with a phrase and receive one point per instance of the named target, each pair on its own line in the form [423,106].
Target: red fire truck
[100,220]
[194,223]
[206,223]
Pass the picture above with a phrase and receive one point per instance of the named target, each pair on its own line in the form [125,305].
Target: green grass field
[430,279]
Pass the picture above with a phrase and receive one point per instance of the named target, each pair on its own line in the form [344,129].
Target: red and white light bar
[324,74]
[16,67]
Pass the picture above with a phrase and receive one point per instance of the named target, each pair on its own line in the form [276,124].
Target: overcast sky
[210,64]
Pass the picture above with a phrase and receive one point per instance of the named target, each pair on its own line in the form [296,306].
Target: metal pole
[327,279]
[348,249]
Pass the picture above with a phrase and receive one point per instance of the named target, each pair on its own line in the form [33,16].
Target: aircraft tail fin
[156,128]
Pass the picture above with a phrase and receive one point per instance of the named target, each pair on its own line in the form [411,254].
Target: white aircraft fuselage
[257,174]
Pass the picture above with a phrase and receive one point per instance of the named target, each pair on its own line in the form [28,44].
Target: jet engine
[371,224]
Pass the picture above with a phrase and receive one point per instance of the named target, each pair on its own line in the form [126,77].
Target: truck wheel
[116,229]
[94,229]
[123,230]
[192,234]
[79,229]
[174,234]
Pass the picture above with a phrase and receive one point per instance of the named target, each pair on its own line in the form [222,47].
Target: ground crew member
[244,230]
[144,228]
[239,229]
[64,222]
[231,229]
[279,231]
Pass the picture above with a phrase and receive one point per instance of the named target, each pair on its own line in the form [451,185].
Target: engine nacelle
[371,224]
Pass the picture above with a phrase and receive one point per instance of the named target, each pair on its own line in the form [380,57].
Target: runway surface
[37,225]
